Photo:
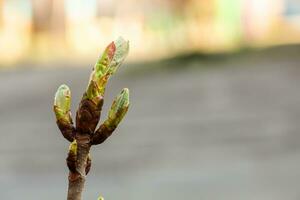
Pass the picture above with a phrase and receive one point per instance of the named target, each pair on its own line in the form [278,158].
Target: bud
[73,148]
[62,103]
[115,115]
[88,114]
[113,56]
[118,109]
[72,156]
[122,49]
[100,198]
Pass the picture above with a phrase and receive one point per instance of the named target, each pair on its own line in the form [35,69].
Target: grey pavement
[219,129]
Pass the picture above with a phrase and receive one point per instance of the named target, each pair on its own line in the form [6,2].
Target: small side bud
[117,112]
[118,109]
[62,104]
[72,156]
[73,148]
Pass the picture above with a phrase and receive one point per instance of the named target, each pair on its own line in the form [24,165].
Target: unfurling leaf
[111,59]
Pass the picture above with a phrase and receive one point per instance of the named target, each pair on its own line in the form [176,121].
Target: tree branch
[88,116]
[77,176]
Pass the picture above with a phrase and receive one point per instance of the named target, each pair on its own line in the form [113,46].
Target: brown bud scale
[88,115]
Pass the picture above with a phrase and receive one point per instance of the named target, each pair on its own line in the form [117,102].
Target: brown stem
[67,129]
[77,178]
[102,134]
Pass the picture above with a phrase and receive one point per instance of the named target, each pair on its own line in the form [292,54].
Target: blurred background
[214,98]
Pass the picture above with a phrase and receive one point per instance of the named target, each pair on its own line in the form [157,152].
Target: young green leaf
[113,56]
